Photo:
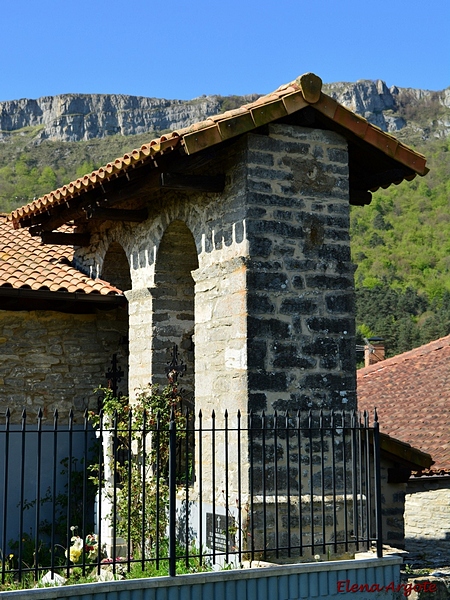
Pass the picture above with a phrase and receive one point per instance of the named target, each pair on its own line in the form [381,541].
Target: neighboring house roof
[32,270]
[411,393]
[390,161]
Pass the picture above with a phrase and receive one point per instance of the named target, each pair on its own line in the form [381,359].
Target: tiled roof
[288,99]
[27,264]
[411,392]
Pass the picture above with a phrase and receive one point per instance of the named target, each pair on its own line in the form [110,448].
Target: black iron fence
[217,490]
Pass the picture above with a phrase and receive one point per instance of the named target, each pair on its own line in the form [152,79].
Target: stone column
[300,290]
[274,326]
[140,311]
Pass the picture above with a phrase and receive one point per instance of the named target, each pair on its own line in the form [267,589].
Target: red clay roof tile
[285,100]
[411,392]
[26,263]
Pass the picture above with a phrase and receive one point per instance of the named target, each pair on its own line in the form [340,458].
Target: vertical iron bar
[333,477]
[55,451]
[114,439]
[264,481]
[144,487]
[252,481]
[115,444]
[300,486]
[38,493]
[22,491]
[159,474]
[200,483]
[367,476]
[172,493]
[354,481]
[275,481]
[288,481]
[130,475]
[187,460]
[377,469]
[311,480]
[101,455]
[85,484]
[69,492]
[239,475]
[5,490]
[227,508]
[213,483]
[322,480]
[360,478]
[344,476]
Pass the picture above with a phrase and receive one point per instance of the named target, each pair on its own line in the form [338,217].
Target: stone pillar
[140,311]
[300,289]
[221,337]
[274,325]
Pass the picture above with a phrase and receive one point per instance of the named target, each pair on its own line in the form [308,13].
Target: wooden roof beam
[65,239]
[115,214]
[197,183]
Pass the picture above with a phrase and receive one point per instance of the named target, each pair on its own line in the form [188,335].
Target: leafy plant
[139,456]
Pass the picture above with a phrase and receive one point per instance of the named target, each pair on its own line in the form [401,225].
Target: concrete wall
[52,360]
[427,521]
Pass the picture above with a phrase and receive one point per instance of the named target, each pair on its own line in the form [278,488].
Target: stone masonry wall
[216,224]
[300,279]
[273,285]
[53,360]
[274,325]
[392,508]
[427,531]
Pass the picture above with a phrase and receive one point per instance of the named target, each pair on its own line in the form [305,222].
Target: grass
[136,572]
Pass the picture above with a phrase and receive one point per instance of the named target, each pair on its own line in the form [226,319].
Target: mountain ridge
[81,117]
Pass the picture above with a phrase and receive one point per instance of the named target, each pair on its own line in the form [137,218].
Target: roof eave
[58,296]
[287,100]
[410,457]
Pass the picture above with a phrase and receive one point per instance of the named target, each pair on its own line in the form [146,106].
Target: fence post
[172,493]
[5,491]
[377,468]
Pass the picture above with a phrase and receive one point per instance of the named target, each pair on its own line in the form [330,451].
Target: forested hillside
[401,246]
[400,242]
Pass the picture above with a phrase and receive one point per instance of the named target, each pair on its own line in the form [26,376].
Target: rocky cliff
[74,117]
[423,112]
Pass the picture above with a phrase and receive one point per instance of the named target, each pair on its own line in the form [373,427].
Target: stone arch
[173,303]
[116,269]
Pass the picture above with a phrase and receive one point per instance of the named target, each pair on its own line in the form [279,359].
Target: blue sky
[180,49]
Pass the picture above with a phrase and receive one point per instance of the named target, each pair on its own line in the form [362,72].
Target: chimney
[373,351]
